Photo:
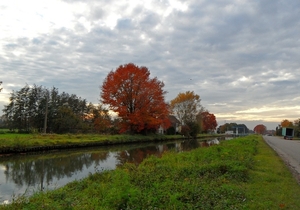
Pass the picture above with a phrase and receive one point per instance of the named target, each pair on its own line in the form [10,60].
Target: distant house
[175,123]
[229,132]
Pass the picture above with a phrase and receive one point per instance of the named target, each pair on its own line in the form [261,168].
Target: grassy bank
[240,174]
[14,142]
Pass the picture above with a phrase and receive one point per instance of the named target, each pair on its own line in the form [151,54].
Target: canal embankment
[25,143]
[244,173]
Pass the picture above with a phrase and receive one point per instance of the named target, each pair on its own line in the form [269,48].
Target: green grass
[239,174]
[29,140]
[15,142]
[271,182]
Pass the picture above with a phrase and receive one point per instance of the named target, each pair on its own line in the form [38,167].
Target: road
[288,150]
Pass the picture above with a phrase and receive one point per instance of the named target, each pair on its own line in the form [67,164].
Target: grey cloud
[213,46]
[125,24]
[97,13]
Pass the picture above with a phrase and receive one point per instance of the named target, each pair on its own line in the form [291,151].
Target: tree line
[290,124]
[261,129]
[137,100]
[39,109]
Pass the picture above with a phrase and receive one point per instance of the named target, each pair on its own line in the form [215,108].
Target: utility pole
[46,114]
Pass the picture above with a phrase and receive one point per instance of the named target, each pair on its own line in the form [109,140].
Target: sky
[242,57]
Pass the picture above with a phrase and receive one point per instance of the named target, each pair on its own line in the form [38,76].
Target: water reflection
[29,173]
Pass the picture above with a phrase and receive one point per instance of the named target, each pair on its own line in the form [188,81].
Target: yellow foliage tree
[186,106]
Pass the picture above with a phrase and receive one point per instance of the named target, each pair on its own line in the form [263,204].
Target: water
[27,173]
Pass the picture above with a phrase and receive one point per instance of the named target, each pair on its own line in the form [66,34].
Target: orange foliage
[261,129]
[101,124]
[209,122]
[137,99]
[286,123]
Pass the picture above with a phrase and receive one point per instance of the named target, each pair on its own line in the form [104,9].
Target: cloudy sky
[241,56]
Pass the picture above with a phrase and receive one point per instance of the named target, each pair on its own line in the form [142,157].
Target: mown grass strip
[15,143]
[271,184]
[22,143]
[239,174]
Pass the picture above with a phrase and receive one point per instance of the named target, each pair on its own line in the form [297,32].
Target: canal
[25,174]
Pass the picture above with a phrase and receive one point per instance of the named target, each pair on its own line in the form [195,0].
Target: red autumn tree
[209,122]
[136,98]
[260,129]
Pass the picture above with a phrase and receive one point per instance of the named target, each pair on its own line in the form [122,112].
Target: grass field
[239,174]
[14,142]
[29,140]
